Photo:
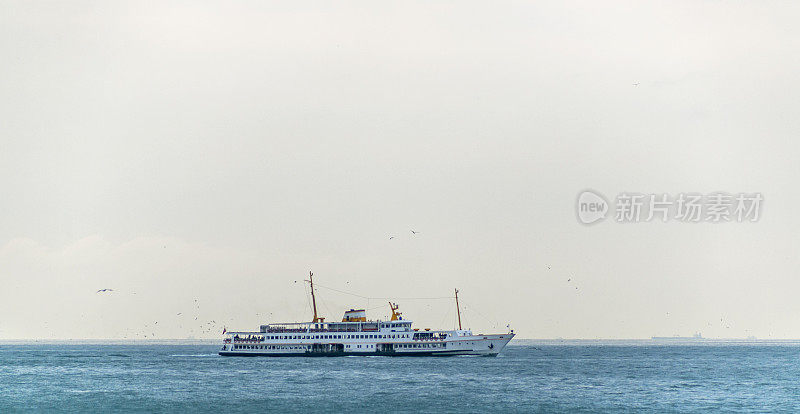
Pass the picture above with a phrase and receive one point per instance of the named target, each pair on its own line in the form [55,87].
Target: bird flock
[196,325]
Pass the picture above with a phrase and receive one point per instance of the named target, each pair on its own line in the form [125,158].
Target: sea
[528,376]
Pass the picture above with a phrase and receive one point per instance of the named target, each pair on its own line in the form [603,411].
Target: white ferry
[355,335]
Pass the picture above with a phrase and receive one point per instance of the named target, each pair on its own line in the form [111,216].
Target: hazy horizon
[200,158]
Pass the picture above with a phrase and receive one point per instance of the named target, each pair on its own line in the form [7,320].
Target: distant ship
[355,335]
[695,337]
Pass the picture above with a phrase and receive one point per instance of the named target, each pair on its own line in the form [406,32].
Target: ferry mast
[313,299]
[459,311]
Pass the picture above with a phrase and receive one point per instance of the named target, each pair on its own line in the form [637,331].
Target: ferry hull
[343,354]
[482,345]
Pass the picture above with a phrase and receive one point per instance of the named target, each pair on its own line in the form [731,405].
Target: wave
[193,355]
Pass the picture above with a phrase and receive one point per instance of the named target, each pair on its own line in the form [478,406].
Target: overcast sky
[201,157]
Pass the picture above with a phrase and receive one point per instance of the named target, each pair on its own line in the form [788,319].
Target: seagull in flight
[415,232]
[104,290]
[391,237]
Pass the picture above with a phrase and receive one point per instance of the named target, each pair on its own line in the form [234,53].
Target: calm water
[545,377]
